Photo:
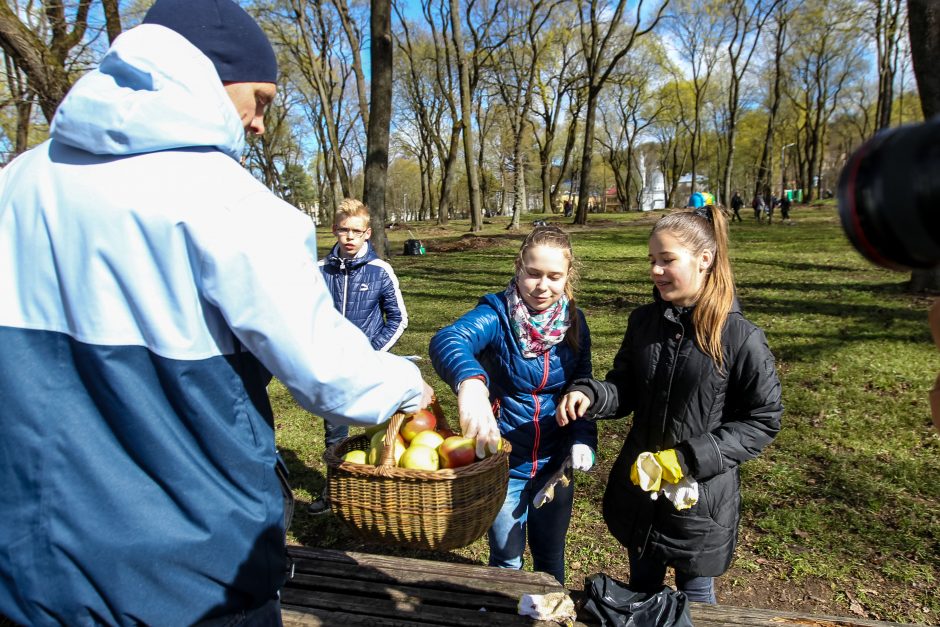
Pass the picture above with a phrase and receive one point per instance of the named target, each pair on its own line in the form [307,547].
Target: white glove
[476,416]
[682,495]
[582,457]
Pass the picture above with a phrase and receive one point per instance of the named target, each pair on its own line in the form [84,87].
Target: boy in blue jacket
[365,290]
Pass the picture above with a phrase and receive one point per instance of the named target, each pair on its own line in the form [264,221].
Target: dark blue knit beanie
[225,33]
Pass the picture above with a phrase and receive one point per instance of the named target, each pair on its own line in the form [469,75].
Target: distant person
[759,206]
[151,287]
[567,207]
[365,290]
[736,203]
[514,354]
[785,207]
[700,383]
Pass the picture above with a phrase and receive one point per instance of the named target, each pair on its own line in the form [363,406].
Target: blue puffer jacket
[524,391]
[365,290]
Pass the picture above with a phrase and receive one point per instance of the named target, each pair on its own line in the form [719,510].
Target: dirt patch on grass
[468,242]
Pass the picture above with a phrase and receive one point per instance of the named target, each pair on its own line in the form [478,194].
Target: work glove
[476,416]
[651,469]
[582,457]
[547,493]
[683,494]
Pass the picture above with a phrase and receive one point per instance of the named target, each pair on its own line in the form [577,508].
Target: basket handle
[391,434]
[394,426]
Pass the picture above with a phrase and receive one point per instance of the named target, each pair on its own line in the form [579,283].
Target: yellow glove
[651,469]
[672,472]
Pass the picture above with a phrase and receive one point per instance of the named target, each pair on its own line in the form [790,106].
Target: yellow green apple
[355,457]
[418,457]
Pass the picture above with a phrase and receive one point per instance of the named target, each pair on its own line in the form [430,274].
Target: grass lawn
[841,514]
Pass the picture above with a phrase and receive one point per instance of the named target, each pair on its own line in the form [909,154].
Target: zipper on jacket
[342,267]
[672,371]
[535,416]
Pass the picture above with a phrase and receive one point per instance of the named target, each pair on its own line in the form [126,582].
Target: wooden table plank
[413,571]
[705,615]
[402,611]
[452,595]
[348,588]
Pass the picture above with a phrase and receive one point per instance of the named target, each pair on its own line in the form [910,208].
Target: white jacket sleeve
[260,270]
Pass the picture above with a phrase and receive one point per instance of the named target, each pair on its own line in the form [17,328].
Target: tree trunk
[473,181]
[584,190]
[43,65]
[924,30]
[380,116]
[112,19]
[763,170]
[448,167]
[352,36]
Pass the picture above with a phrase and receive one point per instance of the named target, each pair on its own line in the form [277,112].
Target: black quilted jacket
[679,399]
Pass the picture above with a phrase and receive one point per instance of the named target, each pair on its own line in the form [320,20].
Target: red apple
[457,451]
[422,420]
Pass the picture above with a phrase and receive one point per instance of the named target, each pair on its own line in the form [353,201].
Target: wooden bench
[346,588]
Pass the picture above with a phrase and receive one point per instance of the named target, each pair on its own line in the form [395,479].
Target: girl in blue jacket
[509,360]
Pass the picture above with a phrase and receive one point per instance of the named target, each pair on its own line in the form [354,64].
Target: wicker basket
[419,509]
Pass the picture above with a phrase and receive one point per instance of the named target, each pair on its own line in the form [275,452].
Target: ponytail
[706,228]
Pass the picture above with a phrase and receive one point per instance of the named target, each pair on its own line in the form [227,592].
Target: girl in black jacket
[701,384]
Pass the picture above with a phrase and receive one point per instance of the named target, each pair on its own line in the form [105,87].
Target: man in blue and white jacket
[151,287]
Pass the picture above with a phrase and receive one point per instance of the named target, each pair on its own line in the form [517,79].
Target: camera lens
[889,197]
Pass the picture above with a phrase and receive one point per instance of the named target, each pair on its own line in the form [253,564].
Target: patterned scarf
[538,331]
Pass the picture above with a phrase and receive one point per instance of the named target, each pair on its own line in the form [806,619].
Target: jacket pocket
[720,499]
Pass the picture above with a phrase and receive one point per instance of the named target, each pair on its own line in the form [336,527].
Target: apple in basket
[419,457]
[421,420]
[355,457]
[457,451]
[487,452]
[431,439]
[378,444]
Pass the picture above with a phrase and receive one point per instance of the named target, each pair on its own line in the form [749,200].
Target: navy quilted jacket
[365,290]
[523,390]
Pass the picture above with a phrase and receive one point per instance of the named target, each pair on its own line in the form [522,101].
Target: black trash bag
[413,247]
[617,606]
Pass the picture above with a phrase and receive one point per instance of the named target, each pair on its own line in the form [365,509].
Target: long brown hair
[699,230]
[553,236]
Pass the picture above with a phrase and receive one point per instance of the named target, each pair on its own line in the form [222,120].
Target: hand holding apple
[476,415]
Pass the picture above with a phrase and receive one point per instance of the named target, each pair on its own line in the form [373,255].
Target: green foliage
[845,502]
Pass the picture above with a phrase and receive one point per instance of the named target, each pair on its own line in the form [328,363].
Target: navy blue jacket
[365,290]
[524,391]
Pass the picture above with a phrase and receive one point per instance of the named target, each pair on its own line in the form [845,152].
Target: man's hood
[153,91]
